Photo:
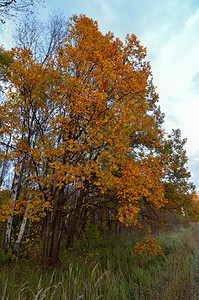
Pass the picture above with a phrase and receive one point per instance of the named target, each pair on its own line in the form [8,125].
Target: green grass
[108,270]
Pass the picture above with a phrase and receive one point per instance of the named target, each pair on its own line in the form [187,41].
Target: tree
[179,191]
[86,123]
[5,61]
[29,36]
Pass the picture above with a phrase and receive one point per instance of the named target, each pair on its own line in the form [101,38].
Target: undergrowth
[107,269]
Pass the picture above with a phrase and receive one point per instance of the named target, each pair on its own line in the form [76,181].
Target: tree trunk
[117,227]
[5,163]
[3,170]
[56,228]
[14,194]
[46,238]
[55,240]
[109,221]
[13,198]
[83,219]
[73,223]
[22,229]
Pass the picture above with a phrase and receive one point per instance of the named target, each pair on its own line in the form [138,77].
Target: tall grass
[108,270]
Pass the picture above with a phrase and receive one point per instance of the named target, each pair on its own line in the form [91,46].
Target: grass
[108,270]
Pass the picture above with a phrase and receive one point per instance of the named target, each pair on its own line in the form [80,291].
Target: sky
[170,31]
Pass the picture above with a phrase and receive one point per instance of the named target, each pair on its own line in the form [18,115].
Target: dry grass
[112,272]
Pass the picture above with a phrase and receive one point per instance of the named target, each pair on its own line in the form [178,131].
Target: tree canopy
[87,136]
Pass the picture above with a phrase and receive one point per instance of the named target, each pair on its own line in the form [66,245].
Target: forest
[83,150]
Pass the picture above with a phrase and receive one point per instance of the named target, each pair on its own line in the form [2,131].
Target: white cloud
[193,19]
[175,66]
[106,11]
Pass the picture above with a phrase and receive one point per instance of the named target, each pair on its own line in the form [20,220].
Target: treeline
[81,128]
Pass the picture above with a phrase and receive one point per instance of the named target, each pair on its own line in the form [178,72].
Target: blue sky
[170,31]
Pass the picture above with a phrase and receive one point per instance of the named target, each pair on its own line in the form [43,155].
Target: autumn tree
[29,36]
[87,125]
[42,39]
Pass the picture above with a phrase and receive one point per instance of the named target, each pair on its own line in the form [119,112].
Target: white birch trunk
[10,219]
[22,229]
[4,163]
[2,173]
[14,193]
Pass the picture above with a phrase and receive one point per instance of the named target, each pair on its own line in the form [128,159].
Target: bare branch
[10,8]
[41,38]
